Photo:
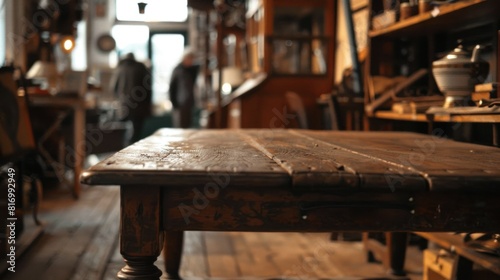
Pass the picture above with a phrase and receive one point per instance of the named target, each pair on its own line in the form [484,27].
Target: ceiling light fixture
[142,7]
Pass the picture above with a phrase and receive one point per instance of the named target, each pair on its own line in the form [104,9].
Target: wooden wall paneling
[498,57]
[266,106]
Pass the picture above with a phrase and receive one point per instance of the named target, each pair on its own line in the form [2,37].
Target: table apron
[280,210]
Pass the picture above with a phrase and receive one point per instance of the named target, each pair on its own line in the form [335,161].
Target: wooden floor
[80,242]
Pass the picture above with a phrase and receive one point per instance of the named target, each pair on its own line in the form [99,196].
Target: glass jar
[405,10]
[424,6]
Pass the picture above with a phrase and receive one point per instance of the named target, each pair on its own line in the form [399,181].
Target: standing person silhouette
[182,90]
[132,87]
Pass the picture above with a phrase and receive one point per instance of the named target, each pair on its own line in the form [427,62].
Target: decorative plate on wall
[106,43]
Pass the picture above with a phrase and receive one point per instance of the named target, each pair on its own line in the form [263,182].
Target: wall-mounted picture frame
[100,8]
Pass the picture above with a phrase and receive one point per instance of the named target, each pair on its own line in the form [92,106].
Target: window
[2,32]
[156,10]
[131,38]
[166,53]
[167,50]
[79,54]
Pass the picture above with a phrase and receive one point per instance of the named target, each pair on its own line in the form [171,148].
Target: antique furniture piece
[76,154]
[293,180]
[290,47]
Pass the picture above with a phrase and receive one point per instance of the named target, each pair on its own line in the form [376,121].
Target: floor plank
[93,263]
[220,255]
[194,256]
[55,255]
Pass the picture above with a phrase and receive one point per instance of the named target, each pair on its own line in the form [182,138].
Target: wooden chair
[15,124]
[297,107]
[17,142]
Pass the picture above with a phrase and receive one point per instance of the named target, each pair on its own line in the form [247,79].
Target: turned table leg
[140,240]
[139,268]
[172,253]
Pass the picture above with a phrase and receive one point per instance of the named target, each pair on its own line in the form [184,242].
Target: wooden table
[293,180]
[76,104]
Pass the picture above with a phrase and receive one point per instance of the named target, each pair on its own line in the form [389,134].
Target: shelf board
[459,118]
[450,16]
[390,115]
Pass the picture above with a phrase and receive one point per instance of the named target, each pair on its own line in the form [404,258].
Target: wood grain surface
[303,159]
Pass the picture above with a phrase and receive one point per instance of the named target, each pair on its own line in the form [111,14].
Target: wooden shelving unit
[290,47]
[471,12]
[412,44]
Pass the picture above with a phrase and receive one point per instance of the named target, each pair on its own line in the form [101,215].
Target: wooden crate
[438,265]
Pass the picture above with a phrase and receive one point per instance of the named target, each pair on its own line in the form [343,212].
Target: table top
[303,159]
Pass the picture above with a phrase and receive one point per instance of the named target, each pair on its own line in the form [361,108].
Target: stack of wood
[484,91]
[416,105]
